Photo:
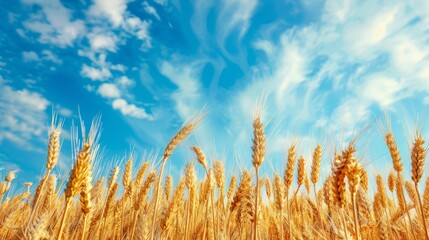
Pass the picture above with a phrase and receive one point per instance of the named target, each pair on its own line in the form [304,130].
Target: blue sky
[324,68]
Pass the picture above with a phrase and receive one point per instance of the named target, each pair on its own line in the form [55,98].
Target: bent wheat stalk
[174,142]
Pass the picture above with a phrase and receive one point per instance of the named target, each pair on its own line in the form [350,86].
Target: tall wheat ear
[81,174]
[258,156]
[315,167]
[418,158]
[168,151]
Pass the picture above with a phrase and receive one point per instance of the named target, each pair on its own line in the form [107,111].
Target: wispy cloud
[54,23]
[322,66]
[331,75]
[235,15]
[350,59]
[391,90]
[151,10]
[186,77]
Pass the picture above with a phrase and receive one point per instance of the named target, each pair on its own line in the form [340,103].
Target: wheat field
[292,204]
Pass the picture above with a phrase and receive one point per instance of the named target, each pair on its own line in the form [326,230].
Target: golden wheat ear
[394,152]
[181,136]
[391,181]
[191,185]
[54,142]
[126,179]
[168,151]
[201,157]
[219,173]
[258,156]
[81,175]
[315,167]
[418,158]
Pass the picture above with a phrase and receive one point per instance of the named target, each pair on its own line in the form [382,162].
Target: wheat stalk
[315,168]
[213,207]
[174,142]
[353,175]
[288,178]
[418,157]
[258,155]
[278,196]
[76,179]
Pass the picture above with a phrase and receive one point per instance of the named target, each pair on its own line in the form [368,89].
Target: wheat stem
[255,221]
[66,209]
[421,211]
[85,220]
[155,208]
[355,217]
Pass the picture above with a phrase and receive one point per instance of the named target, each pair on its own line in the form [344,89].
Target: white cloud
[30,82]
[363,36]
[348,114]
[161,2]
[113,10]
[124,81]
[27,98]
[365,56]
[151,10]
[336,10]
[131,110]
[24,117]
[381,24]
[65,112]
[100,69]
[290,68]
[235,14]
[118,67]
[139,28]
[328,75]
[186,78]
[95,74]
[145,76]
[89,88]
[125,25]
[109,90]
[381,89]
[231,23]
[265,46]
[407,53]
[54,23]
[30,56]
[100,42]
[50,56]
